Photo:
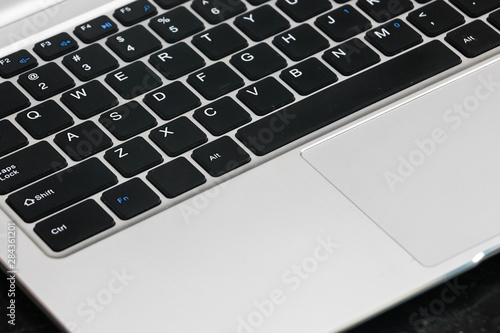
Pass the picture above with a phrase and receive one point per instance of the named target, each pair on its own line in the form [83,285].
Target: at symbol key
[46,81]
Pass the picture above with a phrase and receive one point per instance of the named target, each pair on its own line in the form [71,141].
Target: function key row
[258,24]
[93,61]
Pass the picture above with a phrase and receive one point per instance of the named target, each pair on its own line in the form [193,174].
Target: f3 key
[55,46]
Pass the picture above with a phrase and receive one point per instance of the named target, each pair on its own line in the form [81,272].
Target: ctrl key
[74,225]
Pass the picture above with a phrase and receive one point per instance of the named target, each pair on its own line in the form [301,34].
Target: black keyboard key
[88,100]
[351,57]
[16,63]
[135,12]
[178,136]
[216,11]
[258,61]
[133,43]
[474,38]
[176,61]
[301,10]
[29,165]
[215,80]
[384,10]
[127,120]
[61,190]
[55,46]
[494,19]
[393,37]
[83,140]
[176,177]
[257,2]
[167,4]
[74,225]
[476,8]
[10,138]
[222,116]
[220,156]
[300,42]
[219,42]
[436,18]
[176,24]
[44,119]
[133,157]
[172,100]
[95,29]
[261,23]
[130,199]
[308,76]
[46,81]
[12,99]
[265,96]
[347,97]
[343,23]
[90,62]
[133,80]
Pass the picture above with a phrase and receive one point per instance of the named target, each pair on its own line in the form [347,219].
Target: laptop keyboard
[136,110]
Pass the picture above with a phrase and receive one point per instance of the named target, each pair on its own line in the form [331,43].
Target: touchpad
[427,172]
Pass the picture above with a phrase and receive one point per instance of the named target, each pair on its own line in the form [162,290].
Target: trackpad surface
[427,172]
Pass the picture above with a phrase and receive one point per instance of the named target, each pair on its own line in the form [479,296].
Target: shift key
[61,190]
[29,165]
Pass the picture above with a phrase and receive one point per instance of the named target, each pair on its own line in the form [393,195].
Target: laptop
[244,166]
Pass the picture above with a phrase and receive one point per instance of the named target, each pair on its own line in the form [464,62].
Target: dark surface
[476,308]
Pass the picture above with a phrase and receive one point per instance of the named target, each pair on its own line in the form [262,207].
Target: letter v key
[253,91]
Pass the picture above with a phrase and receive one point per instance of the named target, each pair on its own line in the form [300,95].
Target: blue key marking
[146,8]
[345,10]
[106,25]
[65,43]
[122,200]
[397,25]
[24,60]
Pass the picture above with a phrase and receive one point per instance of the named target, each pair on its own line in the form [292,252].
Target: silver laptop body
[316,236]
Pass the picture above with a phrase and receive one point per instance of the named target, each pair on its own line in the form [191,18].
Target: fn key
[74,225]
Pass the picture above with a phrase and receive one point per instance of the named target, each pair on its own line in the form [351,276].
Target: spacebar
[342,99]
